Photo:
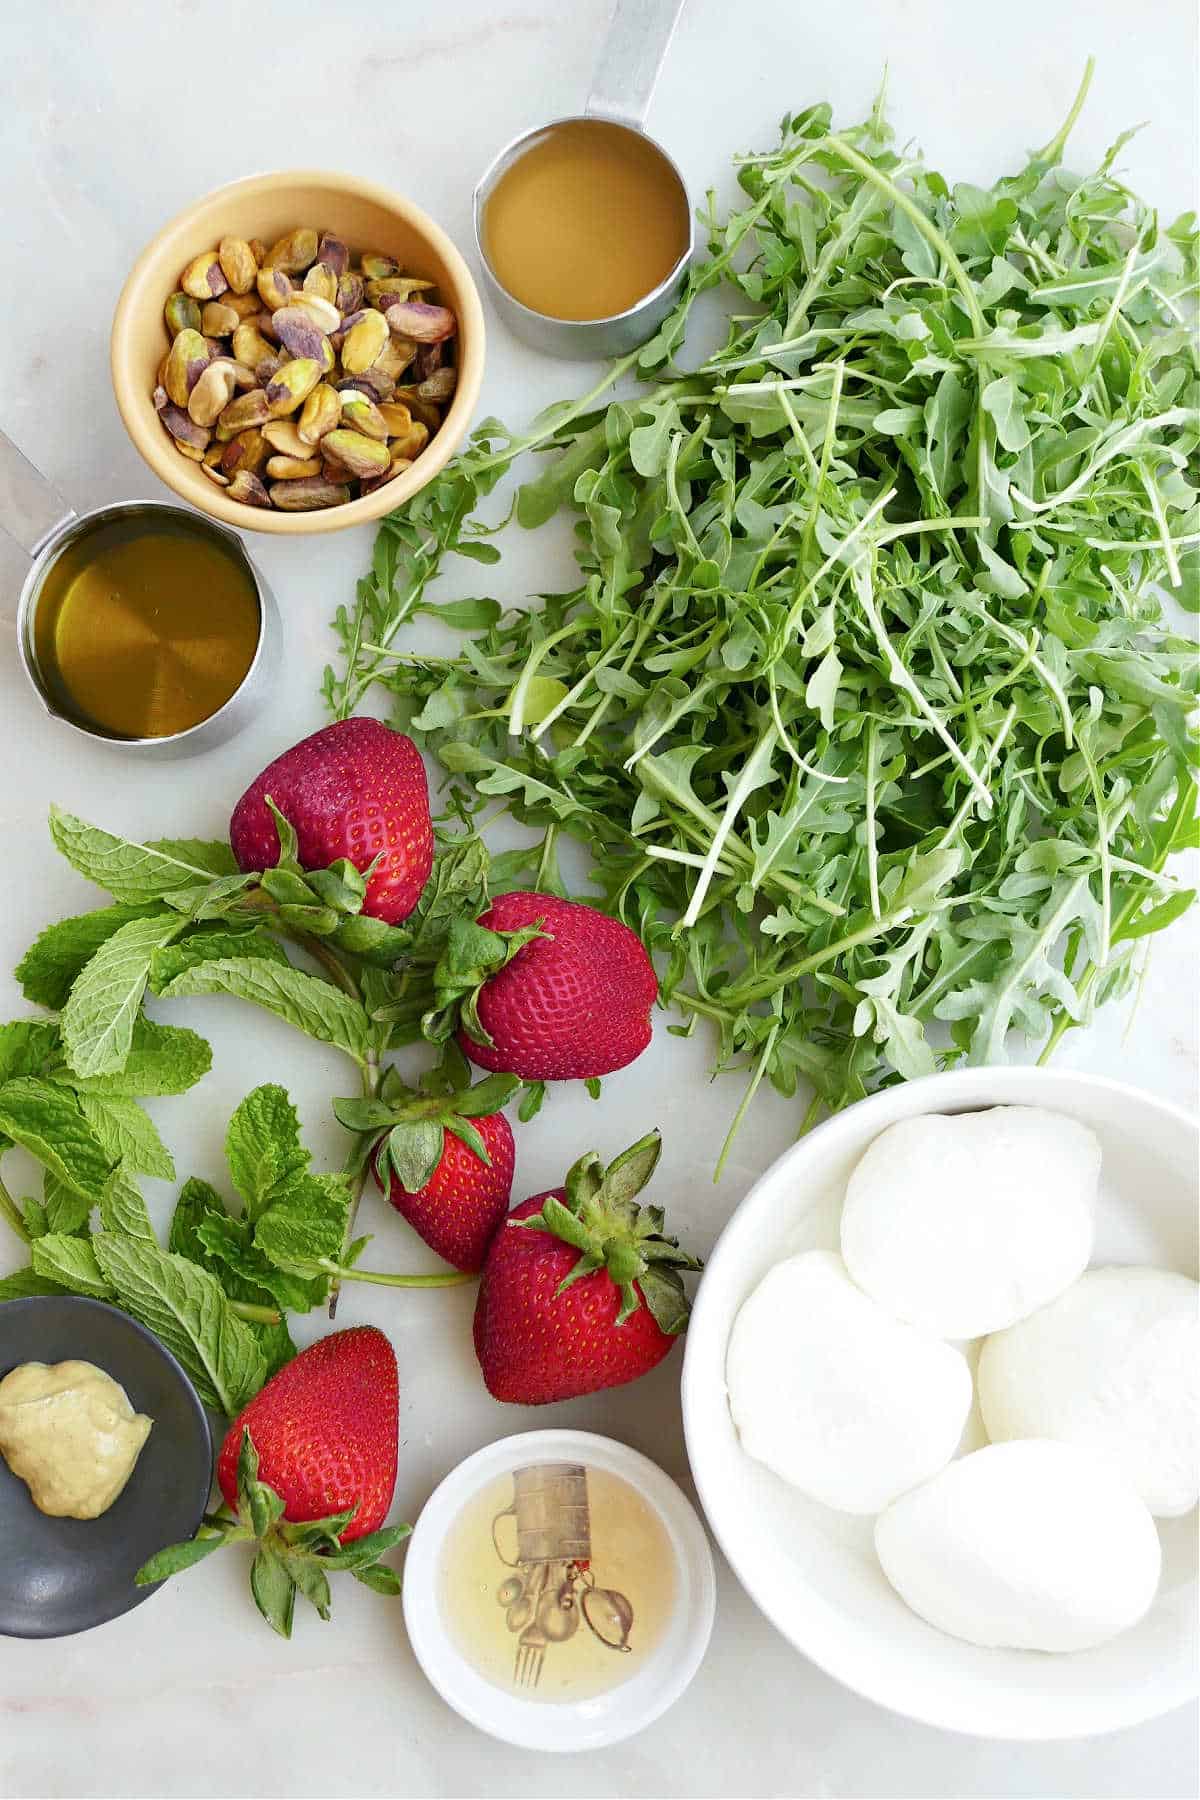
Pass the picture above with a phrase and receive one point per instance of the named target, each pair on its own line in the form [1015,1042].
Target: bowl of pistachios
[298,352]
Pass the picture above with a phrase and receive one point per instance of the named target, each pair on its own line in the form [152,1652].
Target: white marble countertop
[115,115]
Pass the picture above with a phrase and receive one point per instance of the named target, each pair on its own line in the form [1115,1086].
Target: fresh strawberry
[326,1431]
[571,1000]
[356,790]
[309,1467]
[580,1290]
[458,1209]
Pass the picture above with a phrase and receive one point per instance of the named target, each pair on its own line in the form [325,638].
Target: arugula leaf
[46,1121]
[57,957]
[184,1306]
[128,1134]
[312,1005]
[98,1018]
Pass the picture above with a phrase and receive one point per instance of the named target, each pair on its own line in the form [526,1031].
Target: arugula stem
[357,1174]
[9,1211]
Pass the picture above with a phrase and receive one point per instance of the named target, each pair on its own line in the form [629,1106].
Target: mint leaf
[49,968]
[311,1005]
[162,1059]
[306,1226]
[45,1120]
[198,1203]
[211,855]
[97,1021]
[186,1307]
[131,872]
[128,1135]
[66,1211]
[122,1209]
[210,946]
[71,1261]
[27,1284]
[196,1200]
[26,1045]
[262,1146]
[230,1243]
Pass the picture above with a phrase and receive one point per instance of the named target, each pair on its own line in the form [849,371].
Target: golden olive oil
[145,626]
[587,222]
[557,1582]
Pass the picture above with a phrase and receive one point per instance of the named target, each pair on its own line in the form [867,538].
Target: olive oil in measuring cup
[146,623]
[586,221]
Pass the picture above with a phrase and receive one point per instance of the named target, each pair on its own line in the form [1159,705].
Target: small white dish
[497,1705]
[813,1572]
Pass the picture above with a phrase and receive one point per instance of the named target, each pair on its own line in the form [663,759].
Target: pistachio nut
[247,488]
[181,313]
[412,442]
[213,473]
[299,332]
[322,311]
[396,355]
[418,320]
[396,417]
[238,263]
[243,375]
[211,394]
[248,409]
[377,267]
[349,296]
[187,434]
[321,283]
[321,413]
[357,454]
[361,412]
[264,322]
[160,374]
[333,253]
[290,386]
[258,250]
[396,287]
[218,320]
[370,381]
[160,398]
[244,305]
[363,342]
[266,367]
[305,496]
[293,468]
[396,467]
[295,252]
[440,385]
[203,278]
[420,409]
[285,439]
[274,288]
[427,359]
[187,360]
[249,344]
[248,450]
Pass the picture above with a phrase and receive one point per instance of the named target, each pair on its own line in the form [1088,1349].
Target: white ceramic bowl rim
[558,1725]
[821,1629]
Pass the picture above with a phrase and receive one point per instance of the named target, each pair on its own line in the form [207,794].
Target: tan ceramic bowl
[367,217]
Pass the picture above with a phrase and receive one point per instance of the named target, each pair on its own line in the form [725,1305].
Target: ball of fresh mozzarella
[1029,1546]
[846,1403]
[1114,1366]
[964,1224]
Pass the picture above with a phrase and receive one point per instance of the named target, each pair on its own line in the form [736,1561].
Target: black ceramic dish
[63,1575]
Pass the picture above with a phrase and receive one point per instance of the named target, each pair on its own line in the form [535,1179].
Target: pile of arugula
[185,921]
[867,708]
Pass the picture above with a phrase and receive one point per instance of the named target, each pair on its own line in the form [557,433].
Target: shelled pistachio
[280,377]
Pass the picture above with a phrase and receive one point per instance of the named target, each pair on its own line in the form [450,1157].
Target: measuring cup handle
[633,53]
[30,506]
[510,1512]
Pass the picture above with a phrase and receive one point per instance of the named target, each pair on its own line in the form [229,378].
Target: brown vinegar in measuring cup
[586,222]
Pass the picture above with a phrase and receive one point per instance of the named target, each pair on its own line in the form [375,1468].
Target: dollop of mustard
[69,1432]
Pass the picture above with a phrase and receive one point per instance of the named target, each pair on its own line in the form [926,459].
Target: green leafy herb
[869,707]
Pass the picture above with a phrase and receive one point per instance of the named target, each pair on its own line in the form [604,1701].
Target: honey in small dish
[557,1581]
[146,625]
[586,222]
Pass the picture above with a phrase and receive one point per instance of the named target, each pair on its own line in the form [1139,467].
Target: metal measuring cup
[637,43]
[37,518]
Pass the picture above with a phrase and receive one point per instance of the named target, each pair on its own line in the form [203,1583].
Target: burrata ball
[965,1224]
[1024,1546]
[844,1402]
[1112,1365]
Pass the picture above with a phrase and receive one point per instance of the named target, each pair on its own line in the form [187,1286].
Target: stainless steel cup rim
[47,554]
[510,154]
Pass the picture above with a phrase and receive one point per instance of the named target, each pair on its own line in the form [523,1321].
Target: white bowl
[814,1572]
